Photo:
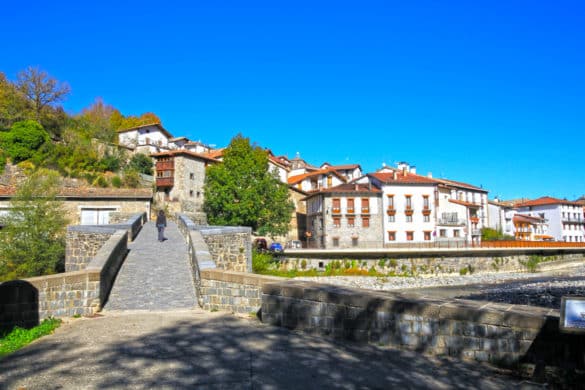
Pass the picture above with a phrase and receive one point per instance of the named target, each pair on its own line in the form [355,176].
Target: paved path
[155,275]
[193,349]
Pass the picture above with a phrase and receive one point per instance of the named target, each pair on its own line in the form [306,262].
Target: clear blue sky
[487,92]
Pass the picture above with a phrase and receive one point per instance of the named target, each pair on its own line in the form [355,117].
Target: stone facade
[232,291]
[486,332]
[434,262]
[82,245]
[231,248]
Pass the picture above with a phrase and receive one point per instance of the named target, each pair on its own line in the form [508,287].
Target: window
[335,241]
[427,235]
[350,222]
[390,201]
[336,222]
[443,233]
[426,218]
[426,202]
[192,176]
[391,218]
[191,193]
[329,181]
[365,205]
[456,233]
[391,236]
[354,241]
[409,218]
[336,205]
[366,222]
[408,202]
[350,205]
[409,236]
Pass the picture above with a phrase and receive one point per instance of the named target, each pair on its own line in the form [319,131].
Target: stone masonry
[487,332]
[82,244]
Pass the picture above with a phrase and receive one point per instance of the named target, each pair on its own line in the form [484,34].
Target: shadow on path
[194,349]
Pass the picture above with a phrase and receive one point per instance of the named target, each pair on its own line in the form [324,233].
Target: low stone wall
[132,224]
[498,333]
[230,247]
[432,262]
[236,292]
[26,302]
[82,243]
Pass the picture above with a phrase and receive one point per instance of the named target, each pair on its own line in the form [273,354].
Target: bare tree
[40,89]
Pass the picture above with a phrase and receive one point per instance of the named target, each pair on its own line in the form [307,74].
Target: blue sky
[489,93]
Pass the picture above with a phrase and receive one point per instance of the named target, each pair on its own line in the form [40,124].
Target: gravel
[544,290]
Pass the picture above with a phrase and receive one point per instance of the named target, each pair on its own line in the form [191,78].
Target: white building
[565,218]
[423,209]
[146,139]
[317,180]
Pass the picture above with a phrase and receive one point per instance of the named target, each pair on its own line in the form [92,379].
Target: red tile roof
[527,219]
[90,192]
[461,185]
[160,127]
[177,152]
[402,178]
[462,203]
[546,201]
[298,178]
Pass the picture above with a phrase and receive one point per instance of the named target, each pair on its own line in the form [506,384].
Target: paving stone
[155,275]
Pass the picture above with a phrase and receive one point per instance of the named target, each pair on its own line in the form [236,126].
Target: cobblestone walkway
[155,275]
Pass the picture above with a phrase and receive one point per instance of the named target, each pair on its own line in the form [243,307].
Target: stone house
[179,178]
[345,216]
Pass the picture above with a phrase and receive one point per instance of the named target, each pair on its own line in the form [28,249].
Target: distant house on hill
[146,139]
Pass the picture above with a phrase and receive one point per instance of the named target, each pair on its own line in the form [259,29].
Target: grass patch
[266,264]
[19,337]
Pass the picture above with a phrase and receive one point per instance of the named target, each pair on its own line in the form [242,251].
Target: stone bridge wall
[81,292]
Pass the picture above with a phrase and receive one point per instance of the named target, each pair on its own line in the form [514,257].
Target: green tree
[32,242]
[13,106]
[23,140]
[141,163]
[241,191]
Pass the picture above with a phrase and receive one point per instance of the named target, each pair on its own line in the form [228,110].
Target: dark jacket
[161,219]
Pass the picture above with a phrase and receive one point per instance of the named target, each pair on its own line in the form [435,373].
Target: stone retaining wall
[488,332]
[230,247]
[236,292]
[432,263]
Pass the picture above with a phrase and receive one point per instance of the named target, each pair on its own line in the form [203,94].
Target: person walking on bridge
[161,224]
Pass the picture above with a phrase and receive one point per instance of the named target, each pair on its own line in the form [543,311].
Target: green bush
[100,181]
[304,264]
[116,182]
[20,337]
[23,140]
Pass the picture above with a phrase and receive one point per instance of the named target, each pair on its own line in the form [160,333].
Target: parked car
[276,247]
[260,244]
[294,244]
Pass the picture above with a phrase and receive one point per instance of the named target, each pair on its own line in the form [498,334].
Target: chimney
[404,171]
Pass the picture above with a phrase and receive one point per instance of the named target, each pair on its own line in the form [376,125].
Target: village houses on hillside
[336,206]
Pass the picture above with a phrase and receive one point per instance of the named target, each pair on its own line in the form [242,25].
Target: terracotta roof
[462,203]
[347,188]
[345,167]
[298,178]
[177,152]
[401,178]
[215,154]
[546,201]
[527,219]
[90,192]
[461,185]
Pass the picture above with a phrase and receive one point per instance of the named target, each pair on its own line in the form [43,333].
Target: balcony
[350,210]
[336,210]
[474,219]
[408,211]
[573,220]
[426,211]
[475,232]
[165,181]
[365,210]
[165,165]
[391,211]
[450,222]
